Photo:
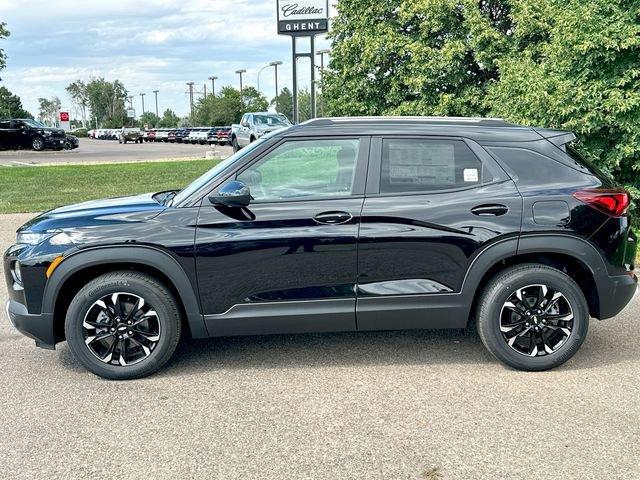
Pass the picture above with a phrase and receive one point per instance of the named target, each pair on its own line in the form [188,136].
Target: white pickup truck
[253,125]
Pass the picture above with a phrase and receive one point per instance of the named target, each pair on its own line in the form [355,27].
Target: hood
[97,213]
[57,131]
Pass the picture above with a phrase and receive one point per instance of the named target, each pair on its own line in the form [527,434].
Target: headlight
[47,133]
[17,273]
[31,238]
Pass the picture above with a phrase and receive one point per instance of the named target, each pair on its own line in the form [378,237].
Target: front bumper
[36,326]
[54,142]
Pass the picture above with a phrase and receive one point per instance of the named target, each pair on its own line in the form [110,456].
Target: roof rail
[498,122]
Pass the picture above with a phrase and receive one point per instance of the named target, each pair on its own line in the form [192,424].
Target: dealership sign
[303,17]
[65,123]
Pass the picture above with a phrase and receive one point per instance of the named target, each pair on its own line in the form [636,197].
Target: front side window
[423,165]
[298,170]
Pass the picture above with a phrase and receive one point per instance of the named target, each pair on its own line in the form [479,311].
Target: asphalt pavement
[390,405]
[109,151]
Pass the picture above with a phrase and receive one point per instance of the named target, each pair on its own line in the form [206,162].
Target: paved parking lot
[97,151]
[390,405]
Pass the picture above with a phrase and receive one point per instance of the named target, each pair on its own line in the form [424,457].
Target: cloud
[148,45]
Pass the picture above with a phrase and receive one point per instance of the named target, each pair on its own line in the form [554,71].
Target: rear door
[432,204]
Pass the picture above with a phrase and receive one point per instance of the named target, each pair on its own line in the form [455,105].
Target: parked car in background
[171,136]
[151,135]
[71,142]
[28,133]
[254,125]
[181,133]
[162,135]
[390,223]
[212,136]
[130,134]
[224,134]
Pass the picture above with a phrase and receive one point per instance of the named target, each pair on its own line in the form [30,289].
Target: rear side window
[532,169]
[5,124]
[423,165]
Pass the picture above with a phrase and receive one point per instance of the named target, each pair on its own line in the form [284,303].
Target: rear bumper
[615,294]
[38,327]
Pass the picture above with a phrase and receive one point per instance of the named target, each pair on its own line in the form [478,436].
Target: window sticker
[470,175]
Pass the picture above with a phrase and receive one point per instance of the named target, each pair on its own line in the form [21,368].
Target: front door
[7,134]
[432,205]
[288,262]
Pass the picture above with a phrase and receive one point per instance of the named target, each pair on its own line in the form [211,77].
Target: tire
[160,332]
[234,144]
[499,308]
[37,143]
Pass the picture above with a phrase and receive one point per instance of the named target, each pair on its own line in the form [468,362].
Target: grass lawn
[36,189]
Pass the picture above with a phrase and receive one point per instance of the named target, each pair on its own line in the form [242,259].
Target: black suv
[339,225]
[28,133]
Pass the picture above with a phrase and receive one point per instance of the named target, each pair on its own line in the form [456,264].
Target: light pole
[142,95]
[155,92]
[213,85]
[190,85]
[275,71]
[240,72]
[322,53]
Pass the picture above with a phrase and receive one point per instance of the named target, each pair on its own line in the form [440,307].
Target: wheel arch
[79,268]
[574,256]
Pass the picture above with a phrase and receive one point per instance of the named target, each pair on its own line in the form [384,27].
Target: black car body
[181,133]
[29,133]
[71,142]
[212,135]
[394,223]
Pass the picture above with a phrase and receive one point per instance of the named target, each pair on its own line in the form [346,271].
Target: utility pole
[213,85]
[130,101]
[142,95]
[205,90]
[240,72]
[322,53]
[155,92]
[190,85]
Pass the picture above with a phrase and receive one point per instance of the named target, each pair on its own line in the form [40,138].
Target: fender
[139,254]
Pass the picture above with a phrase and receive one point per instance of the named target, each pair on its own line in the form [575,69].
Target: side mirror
[233,194]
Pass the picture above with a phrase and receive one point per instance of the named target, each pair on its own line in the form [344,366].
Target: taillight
[612,202]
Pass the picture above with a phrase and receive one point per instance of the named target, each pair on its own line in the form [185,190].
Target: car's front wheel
[37,144]
[532,317]
[123,325]
[234,144]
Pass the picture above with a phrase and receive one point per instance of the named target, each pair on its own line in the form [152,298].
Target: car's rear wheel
[123,325]
[532,317]
[37,143]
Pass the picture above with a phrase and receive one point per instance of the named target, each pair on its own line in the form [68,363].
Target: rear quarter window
[530,169]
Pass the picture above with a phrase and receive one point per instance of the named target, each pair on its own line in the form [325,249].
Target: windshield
[271,120]
[209,176]
[33,123]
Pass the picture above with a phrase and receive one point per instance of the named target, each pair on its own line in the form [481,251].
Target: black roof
[479,129]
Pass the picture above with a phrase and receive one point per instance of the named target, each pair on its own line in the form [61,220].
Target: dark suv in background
[28,133]
[339,225]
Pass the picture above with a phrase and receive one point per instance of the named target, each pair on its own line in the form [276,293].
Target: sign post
[303,18]
[65,122]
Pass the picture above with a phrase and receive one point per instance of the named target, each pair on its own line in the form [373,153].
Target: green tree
[11,105]
[285,103]
[253,100]
[77,91]
[169,119]
[150,119]
[107,102]
[4,33]
[48,110]
[567,64]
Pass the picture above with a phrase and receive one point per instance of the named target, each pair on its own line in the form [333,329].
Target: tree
[253,100]
[48,110]
[107,102]
[226,108]
[11,105]
[285,103]
[4,33]
[77,91]
[567,64]
[169,119]
[150,119]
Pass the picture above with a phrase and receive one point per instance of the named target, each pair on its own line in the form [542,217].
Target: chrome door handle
[490,210]
[333,218]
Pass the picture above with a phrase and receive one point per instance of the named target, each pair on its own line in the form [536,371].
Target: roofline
[433,120]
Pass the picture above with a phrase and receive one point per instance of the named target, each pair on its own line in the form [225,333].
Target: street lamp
[142,95]
[240,72]
[275,69]
[190,85]
[322,53]
[155,92]
[213,85]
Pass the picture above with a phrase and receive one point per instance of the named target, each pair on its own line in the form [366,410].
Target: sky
[147,44]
